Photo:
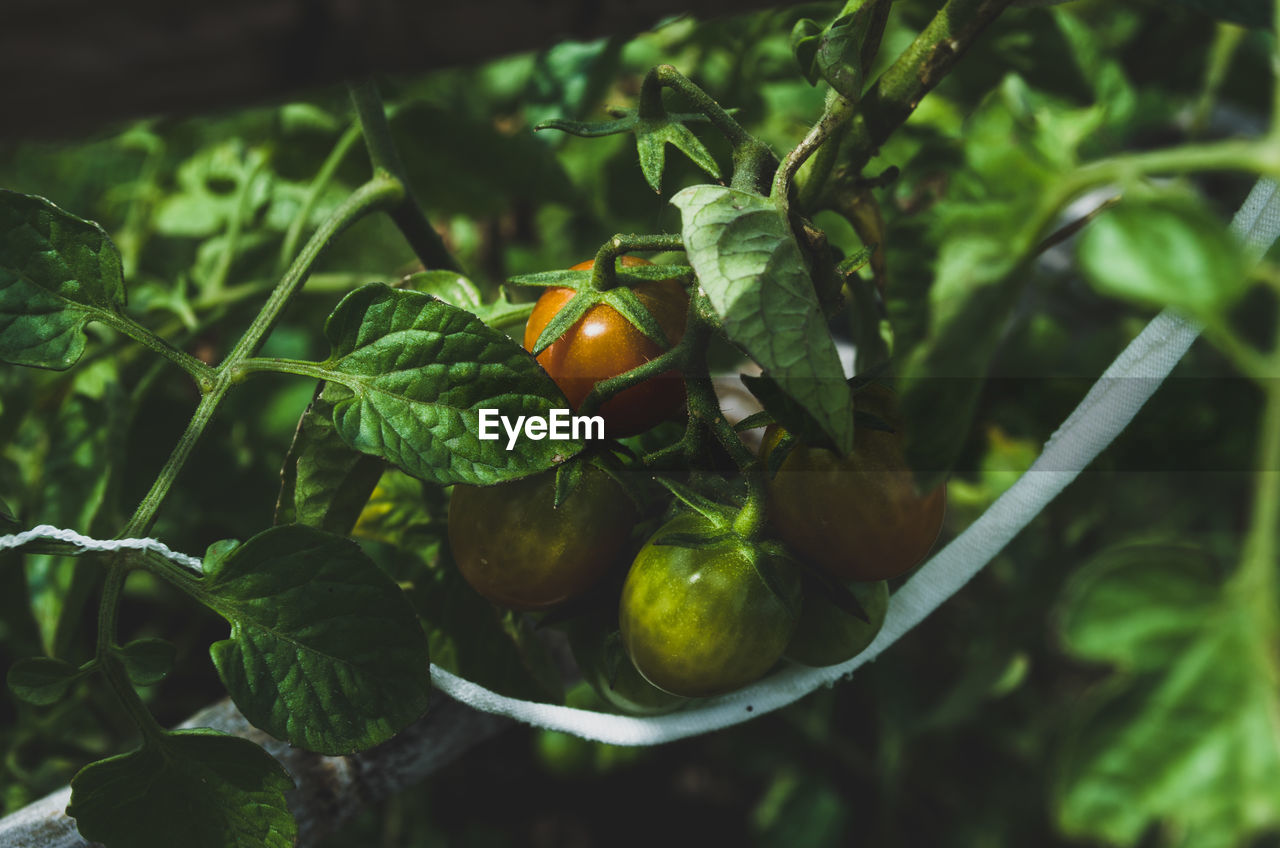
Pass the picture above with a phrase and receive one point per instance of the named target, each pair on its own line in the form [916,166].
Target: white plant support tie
[1106,410]
[88,543]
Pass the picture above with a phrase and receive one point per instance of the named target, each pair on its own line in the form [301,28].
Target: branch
[899,90]
[329,789]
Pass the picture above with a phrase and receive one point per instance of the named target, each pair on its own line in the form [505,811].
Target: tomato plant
[521,550]
[699,618]
[932,194]
[604,344]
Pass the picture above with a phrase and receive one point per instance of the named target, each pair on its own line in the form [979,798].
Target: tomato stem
[753,161]
[668,76]
[604,272]
[406,213]
[106,660]
[1255,582]
[899,90]
[318,185]
[836,115]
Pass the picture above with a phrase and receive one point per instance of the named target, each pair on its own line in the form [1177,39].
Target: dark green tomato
[859,516]
[597,648]
[518,550]
[826,634]
[701,621]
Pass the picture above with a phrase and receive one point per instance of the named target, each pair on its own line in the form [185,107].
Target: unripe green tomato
[826,634]
[701,621]
[516,548]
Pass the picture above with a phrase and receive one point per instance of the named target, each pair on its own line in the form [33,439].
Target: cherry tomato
[603,344]
[520,551]
[700,620]
[859,516]
[826,634]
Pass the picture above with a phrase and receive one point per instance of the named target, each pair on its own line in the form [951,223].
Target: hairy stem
[407,214]
[1254,585]
[110,664]
[839,110]
[200,372]
[321,181]
[381,192]
[145,514]
[235,227]
[604,274]
[899,90]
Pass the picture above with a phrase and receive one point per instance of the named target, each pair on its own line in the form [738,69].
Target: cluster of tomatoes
[701,610]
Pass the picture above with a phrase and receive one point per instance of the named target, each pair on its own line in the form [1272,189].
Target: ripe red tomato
[516,548]
[604,344]
[859,516]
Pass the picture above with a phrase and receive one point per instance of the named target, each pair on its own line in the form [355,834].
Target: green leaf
[325,483]
[789,414]
[8,523]
[57,273]
[1186,734]
[419,371]
[628,276]
[838,58]
[450,286]
[503,312]
[1140,606]
[1164,253]
[196,788]
[752,270]
[805,38]
[456,290]
[213,185]
[653,134]
[572,77]
[147,661]
[325,650]
[82,454]
[41,680]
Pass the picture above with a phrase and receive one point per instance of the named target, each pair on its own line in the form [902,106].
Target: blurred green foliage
[997,722]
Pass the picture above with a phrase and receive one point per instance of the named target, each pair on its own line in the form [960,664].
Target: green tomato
[516,548]
[826,634]
[701,621]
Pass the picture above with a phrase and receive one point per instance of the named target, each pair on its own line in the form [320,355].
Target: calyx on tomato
[603,344]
